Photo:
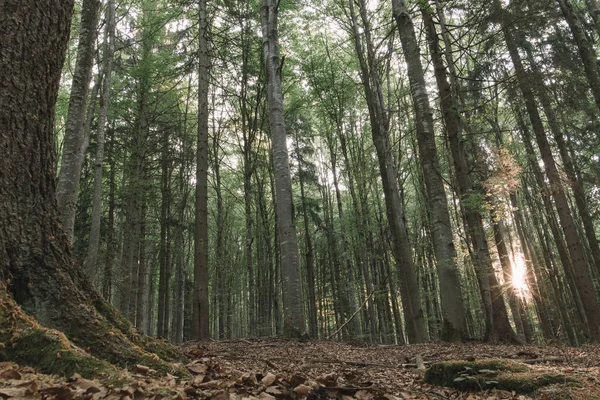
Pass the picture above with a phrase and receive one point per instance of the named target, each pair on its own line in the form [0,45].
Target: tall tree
[200,317]
[380,121]
[453,315]
[294,323]
[497,325]
[37,270]
[581,268]
[91,261]
[76,139]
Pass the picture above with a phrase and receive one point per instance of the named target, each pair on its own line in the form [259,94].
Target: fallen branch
[351,317]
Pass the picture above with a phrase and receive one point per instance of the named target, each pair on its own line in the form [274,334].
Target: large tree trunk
[36,267]
[453,314]
[294,323]
[76,139]
[200,318]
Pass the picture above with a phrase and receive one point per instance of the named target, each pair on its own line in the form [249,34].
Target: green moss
[444,373]
[50,352]
[495,373]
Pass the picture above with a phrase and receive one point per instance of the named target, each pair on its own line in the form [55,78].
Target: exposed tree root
[91,347]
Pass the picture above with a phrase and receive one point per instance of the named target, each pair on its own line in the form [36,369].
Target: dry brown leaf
[140,369]
[274,390]
[303,390]
[268,379]
[10,374]
[197,368]
[265,396]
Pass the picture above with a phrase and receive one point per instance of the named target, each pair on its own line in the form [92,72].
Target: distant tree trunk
[142,277]
[111,250]
[35,257]
[164,254]
[497,325]
[76,140]
[201,318]
[411,302]
[453,315]
[91,263]
[310,265]
[573,180]
[294,323]
[586,51]
[535,278]
[583,279]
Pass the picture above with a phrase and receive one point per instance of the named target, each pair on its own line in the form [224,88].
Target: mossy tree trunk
[37,271]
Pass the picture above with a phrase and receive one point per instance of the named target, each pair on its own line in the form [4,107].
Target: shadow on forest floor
[270,369]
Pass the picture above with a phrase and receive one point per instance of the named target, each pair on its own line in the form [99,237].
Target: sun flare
[519,275]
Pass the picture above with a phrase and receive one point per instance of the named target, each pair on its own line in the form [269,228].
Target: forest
[190,189]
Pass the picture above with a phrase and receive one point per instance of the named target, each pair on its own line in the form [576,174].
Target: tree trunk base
[101,346]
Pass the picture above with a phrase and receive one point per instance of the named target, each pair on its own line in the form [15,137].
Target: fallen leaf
[303,390]
[268,379]
[10,374]
[140,369]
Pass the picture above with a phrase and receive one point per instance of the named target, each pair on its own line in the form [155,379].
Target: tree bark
[91,262]
[76,139]
[294,323]
[200,318]
[583,279]
[453,315]
[497,325]
[37,270]
[411,299]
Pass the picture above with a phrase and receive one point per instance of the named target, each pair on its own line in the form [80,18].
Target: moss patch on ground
[493,373]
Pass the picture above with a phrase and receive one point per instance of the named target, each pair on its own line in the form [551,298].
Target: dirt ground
[273,369]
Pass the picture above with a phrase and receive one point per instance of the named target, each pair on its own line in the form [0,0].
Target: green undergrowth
[494,373]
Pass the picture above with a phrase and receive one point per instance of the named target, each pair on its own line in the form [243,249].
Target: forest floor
[274,369]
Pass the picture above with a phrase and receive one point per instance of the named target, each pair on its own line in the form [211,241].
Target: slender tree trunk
[567,162]
[453,317]
[411,299]
[201,318]
[497,325]
[91,263]
[76,139]
[583,279]
[586,50]
[310,265]
[292,282]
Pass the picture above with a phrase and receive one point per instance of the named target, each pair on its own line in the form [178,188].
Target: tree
[380,122]
[581,268]
[453,315]
[200,317]
[294,323]
[91,261]
[38,276]
[76,138]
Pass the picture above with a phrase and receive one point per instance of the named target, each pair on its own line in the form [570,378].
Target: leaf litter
[278,369]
